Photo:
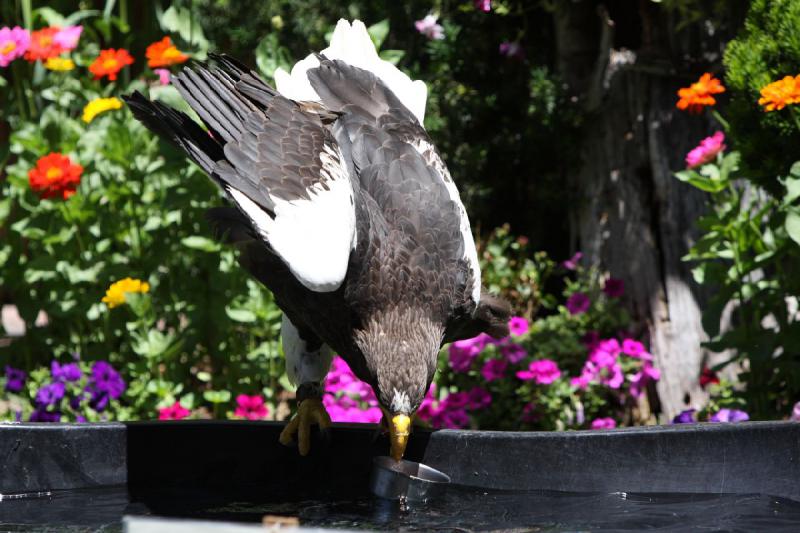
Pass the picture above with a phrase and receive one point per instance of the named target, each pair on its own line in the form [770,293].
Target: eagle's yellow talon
[310,411]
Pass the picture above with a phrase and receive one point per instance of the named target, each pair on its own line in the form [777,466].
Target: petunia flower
[43,45]
[100,105]
[518,325]
[174,412]
[640,379]
[699,94]
[635,349]
[511,50]
[59,64]
[115,295]
[604,423]
[462,353]
[67,372]
[795,413]
[483,5]
[529,413]
[50,394]
[15,379]
[55,175]
[67,37]
[578,303]
[513,352]
[41,414]
[429,28]
[543,372]
[706,151]
[685,417]
[494,369]
[163,75]
[729,415]
[573,262]
[614,288]
[14,42]
[778,94]
[163,54]
[478,398]
[105,384]
[109,63]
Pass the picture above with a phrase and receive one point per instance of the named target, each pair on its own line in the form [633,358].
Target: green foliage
[767,50]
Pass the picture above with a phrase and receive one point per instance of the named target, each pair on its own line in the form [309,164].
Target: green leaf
[217,396]
[792,190]
[182,20]
[392,56]
[793,224]
[197,242]
[240,315]
[378,32]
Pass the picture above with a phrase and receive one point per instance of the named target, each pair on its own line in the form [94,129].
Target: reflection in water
[460,510]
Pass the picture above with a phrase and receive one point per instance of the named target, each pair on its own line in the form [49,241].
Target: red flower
[43,45]
[109,63]
[708,376]
[163,54]
[55,175]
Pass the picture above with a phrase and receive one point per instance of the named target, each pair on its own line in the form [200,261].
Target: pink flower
[494,369]
[581,381]
[573,262]
[67,37]
[251,407]
[483,5]
[462,353]
[578,303]
[635,349]
[795,413]
[478,398]
[518,325]
[706,151]
[453,419]
[513,352]
[604,423]
[614,288]
[14,42]
[163,75]
[640,379]
[512,50]
[429,28]
[544,372]
[174,412]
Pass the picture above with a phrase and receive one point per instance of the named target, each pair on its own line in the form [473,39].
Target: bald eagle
[344,209]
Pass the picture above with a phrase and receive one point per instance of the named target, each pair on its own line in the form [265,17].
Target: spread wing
[275,159]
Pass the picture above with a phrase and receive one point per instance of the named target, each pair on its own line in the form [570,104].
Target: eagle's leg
[307,363]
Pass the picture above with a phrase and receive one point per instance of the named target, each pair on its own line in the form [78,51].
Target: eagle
[341,205]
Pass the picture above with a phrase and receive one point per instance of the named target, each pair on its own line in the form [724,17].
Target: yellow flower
[779,94]
[60,64]
[100,105]
[115,295]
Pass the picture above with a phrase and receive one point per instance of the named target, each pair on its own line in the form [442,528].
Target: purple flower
[494,369]
[578,303]
[483,5]
[518,325]
[106,379]
[604,423]
[456,400]
[429,28]
[614,288]
[67,372]
[15,379]
[463,352]
[50,394]
[478,398]
[513,352]
[513,50]
[573,262]
[796,413]
[544,372]
[685,417]
[453,419]
[42,415]
[729,415]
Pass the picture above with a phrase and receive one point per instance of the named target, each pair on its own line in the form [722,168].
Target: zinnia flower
[163,75]
[109,63]
[59,64]
[730,415]
[251,407]
[163,54]
[15,379]
[543,372]
[699,94]
[43,45]
[429,28]
[518,325]
[604,423]
[578,303]
[100,105]
[115,295]
[174,412]
[706,151]
[67,37]
[494,369]
[55,175]
[781,93]
[14,43]
[614,288]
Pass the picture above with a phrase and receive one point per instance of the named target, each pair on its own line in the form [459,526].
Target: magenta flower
[614,288]
[14,42]
[573,262]
[578,303]
[483,5]
[512,50]
[67,372]
[513,352]
[633,348]
[163,75]
[729,415]
[604,423]
[174,412]
[543,372]
[518,325]
[429,28]
[451,419]
[349,399]
[706,151]
[529,413]
[105,384]
[640,379]
[250,407]
[478,398]
[462,353]
[15,379]
[581,381]
[795,413]
[685,417]
[494,369]
[67,37]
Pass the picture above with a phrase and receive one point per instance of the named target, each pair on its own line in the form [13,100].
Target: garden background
[646,238]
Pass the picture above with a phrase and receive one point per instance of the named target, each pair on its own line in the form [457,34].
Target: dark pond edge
[748,457]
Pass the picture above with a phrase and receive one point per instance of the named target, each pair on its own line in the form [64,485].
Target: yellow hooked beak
[399,430]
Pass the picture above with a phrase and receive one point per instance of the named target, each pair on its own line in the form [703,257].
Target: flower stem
[722,121]
[19,90]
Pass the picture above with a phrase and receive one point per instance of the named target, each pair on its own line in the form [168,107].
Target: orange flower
[164,53]
[55,175]
[43,46]
[109,63]
[699,94]
[781,93]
